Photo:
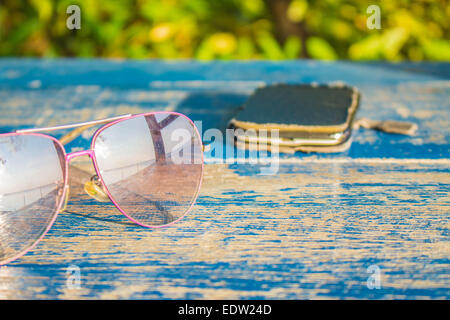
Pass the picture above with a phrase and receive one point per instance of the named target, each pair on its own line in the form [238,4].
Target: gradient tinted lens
[32,176]
[151,165]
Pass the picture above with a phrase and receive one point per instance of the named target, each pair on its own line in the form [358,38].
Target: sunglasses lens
[151,165]
[32,176]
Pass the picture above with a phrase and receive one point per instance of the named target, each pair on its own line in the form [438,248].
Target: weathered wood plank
[306,235]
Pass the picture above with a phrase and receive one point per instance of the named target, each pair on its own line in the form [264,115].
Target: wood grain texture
[310,231]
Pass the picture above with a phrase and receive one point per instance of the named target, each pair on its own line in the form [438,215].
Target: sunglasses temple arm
[72,135]
[80,127]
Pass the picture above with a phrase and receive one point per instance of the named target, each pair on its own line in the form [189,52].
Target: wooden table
[320,228]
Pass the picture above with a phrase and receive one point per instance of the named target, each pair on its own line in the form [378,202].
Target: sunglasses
[149,165]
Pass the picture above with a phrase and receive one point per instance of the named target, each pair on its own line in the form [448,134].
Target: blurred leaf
[204,51]
[318,48]
[438,49]
[20,34]
[253,7]
[246,49]
[269,46]
[292,47]
[393,41]
[341,30]
[297,10]
[44,9]
[161,32]
[222,43]
[367,49]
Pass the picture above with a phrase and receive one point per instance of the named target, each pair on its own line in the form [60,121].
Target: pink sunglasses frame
[91,153]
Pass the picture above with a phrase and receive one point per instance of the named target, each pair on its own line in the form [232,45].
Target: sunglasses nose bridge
[93,187]
[72,155]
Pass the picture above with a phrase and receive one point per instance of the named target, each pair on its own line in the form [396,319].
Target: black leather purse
[304,117]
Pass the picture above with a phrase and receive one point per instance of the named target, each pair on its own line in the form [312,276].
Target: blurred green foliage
[227,29]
